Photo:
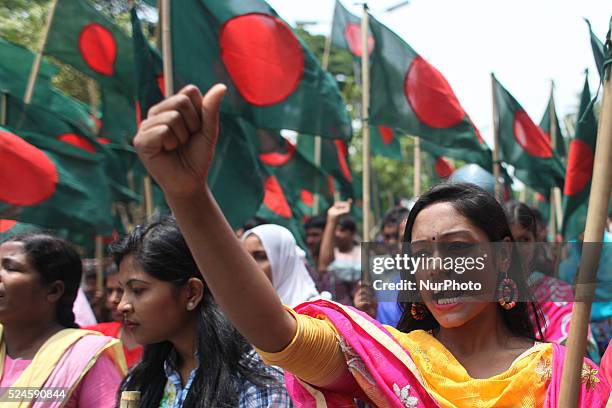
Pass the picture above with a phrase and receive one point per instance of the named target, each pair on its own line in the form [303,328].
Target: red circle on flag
[342,153]
[274,198]
[6,225]
[77,141]
[579,167]
[98,48]
[529,136]
[443,167]
[277,159]
[352,34]
[430,96]
[386,133]
[307,197]
[161,83]
[103,140]
[263,58]
[31,177]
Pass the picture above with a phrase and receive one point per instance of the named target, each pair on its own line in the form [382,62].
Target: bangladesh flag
[234,177]
[148,71]
[598,50]
[335,163]
[545,125]
[408,93]
[86,39]
[36,119]
[384,142]
[579,169]
[273,80]
[53,184]
[524,145]
[281,159]
[440,167]
[15,66]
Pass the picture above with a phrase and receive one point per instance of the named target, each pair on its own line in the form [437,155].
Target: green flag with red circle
[335,163]
[407,94]
[54,125]
[579,170]
[92,43]
[50,183]
[598,50]
[15,66]
[273,80]
[524,146]
[546,124]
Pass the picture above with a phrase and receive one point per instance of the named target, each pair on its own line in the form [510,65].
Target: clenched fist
[176,142]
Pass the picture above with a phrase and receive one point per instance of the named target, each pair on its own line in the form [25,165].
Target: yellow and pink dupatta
[389,376]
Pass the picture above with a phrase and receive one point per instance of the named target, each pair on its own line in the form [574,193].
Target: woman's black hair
[485,213]
[160,249]
[521,214]
[55,260]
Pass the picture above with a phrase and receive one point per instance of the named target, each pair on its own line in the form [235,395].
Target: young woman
[115,328]
[193,357]
[41,347]
[274,249]
[555,298]
[477,353]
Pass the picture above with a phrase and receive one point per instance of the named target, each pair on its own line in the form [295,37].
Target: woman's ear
[195,293]
[505,255]
[55,291]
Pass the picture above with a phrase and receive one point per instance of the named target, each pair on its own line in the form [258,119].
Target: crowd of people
[195,314]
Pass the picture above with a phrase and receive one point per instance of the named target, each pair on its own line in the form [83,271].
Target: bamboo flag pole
[365,108]
[167,47]
[3,107]
[556,192]
[318,142]
[599,198]
[99,253]
[495,141]
[417,166]
[130,399]
[29,92]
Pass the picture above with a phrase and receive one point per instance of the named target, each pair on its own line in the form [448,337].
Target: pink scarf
[375,357]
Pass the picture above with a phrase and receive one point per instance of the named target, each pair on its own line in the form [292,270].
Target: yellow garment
[314,355]
[317,340]
[523,384]
[50,353]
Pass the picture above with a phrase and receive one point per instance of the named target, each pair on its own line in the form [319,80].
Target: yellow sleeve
[313,355]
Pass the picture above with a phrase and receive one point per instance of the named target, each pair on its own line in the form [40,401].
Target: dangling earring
[507,293]
[418,311]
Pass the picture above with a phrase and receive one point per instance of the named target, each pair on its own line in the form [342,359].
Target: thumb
[211,103]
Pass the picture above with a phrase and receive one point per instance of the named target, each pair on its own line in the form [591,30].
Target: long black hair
[160,249]
[484,212]
[55,260]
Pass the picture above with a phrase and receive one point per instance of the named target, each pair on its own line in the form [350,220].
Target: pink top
[606,363]
[98,388]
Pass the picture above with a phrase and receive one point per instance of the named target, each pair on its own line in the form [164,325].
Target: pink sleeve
[98,389]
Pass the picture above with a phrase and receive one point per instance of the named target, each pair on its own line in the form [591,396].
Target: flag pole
[29,92]
[365,107]
[3,107]
[417,166]
[318,141]
[495,141]
[556,192]
[601,187]
[99,264]
[167,47]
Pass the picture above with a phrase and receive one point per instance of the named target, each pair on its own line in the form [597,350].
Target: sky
[526,43]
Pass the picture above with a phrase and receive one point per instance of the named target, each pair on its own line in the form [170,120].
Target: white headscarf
[290,278]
